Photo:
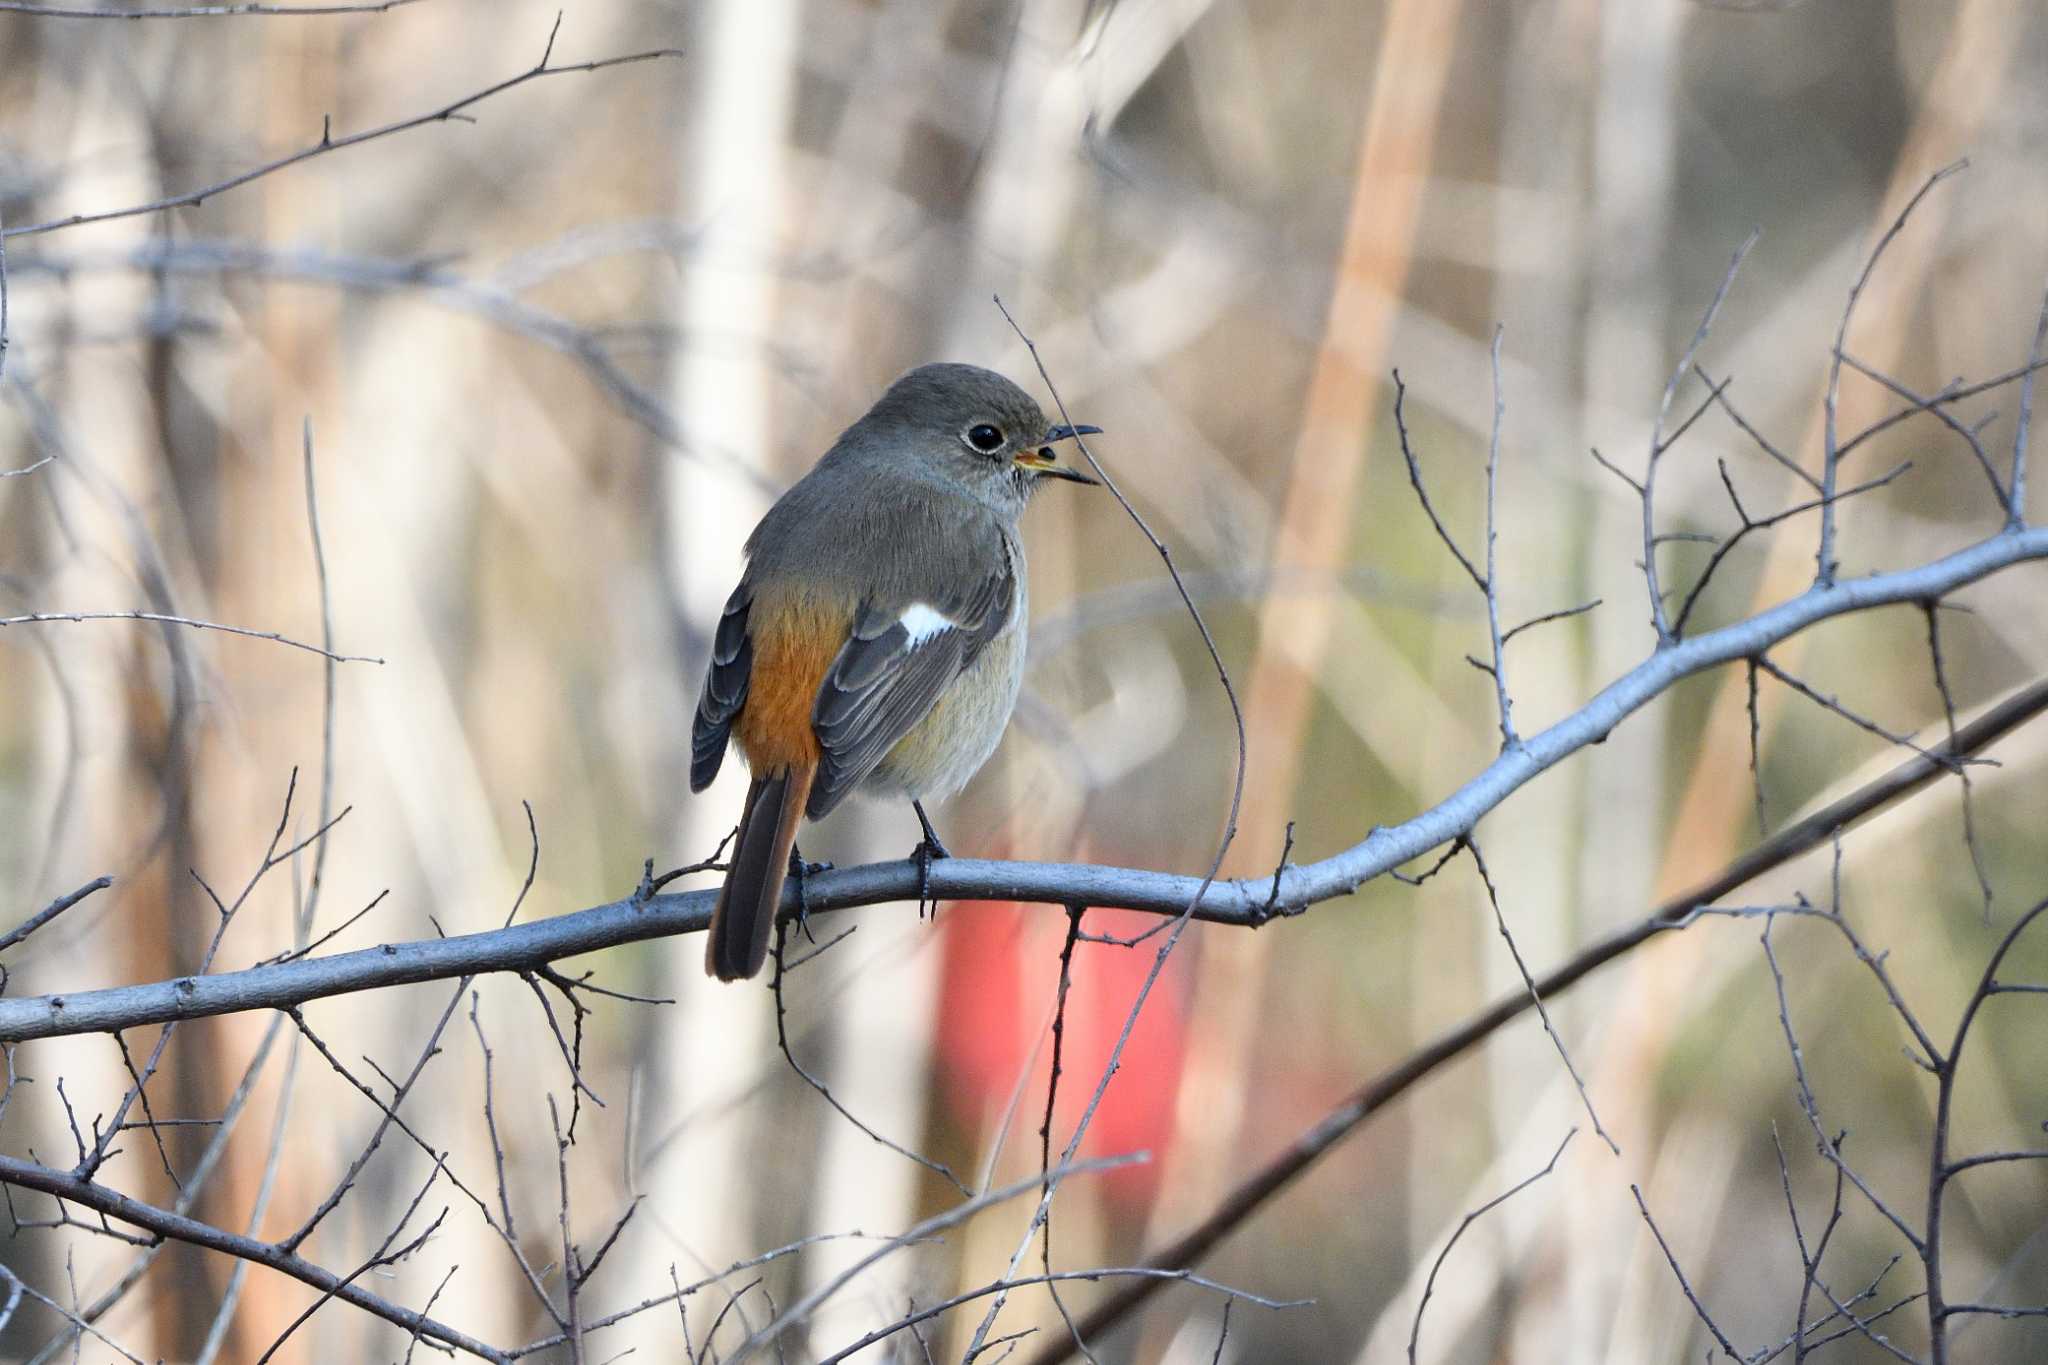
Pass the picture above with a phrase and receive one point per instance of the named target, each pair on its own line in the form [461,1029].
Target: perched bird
[876,639]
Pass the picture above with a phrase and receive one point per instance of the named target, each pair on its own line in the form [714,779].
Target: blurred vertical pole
[134,692]
[263,571]
[1547,68]
[733,157]
[1396,148]
[1626,360]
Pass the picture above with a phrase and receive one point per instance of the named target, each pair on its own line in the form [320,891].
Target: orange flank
[796,636]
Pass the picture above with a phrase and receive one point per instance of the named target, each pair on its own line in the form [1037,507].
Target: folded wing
[725,688]
[901,655]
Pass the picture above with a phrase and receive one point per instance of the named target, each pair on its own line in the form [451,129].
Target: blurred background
[559,353]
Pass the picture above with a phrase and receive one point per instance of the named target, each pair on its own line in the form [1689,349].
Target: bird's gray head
[973,428]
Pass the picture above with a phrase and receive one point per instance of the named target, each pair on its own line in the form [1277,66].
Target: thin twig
[1860,721]
[1004,1286]
[1052,1090]
[1505,703]
[330,143]
[1832,449]
[50,912]
[1562,614]
[1932,611]
[160,618]
[930,1227]
[1187,912]
[1941,1170]
[200,11]
[163,1223]
[775,987]
[1697,1307]
[1763,443]
[1941,414]
[1724,547]
[2016,486]
[1429,1284]
[1500,921]
[1829,1146]
[1660,443]
[1422,492]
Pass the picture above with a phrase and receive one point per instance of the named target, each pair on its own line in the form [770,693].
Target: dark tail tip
[736,944]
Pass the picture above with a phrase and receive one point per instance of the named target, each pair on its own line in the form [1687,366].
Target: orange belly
[796,636]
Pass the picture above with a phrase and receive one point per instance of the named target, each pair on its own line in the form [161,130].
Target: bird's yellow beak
[1041,461]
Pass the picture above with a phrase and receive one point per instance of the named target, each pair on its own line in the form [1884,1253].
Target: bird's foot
[928,851]
[798,871]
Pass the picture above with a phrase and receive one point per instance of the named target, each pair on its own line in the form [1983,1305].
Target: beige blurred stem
[1396,148]
[294,84]
[1635,85]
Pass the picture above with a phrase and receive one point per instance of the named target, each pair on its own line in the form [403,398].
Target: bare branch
[1832,449]
[523,947]
[1829,1146]
[1195,898]
[1722,548]
[200,11]
[1429,1284]
[937,1223]
[1834,704]
[1932,611]
[1422,493]
[1763,443]
[1382,1090]
[775,985]
[1075,913]
[1500,921]
[50,912]
[160,618]
[2016,486]
[1941,414]
[1004,1286]
[1699,1308]
[1503,703]
[329,143]
[1562,614]
[32,1175]
[1660,443]
[433,281]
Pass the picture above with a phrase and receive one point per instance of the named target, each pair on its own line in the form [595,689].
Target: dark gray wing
[725,688]
[900,657]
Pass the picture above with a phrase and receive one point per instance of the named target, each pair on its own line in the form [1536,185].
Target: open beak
[1041,461]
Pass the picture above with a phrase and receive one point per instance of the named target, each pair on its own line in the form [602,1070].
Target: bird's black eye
[984,438]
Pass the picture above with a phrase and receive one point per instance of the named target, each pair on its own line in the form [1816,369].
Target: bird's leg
[798,870]
[928,851]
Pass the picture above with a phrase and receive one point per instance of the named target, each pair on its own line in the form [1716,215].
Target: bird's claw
[928,851]
[798,871]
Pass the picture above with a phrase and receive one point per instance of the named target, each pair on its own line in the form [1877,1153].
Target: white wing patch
[922,622]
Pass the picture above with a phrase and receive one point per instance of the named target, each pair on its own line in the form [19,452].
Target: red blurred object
[1000,979]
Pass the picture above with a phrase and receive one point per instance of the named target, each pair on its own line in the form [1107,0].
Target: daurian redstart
[876,639]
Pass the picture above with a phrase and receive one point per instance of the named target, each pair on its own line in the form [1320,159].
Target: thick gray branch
[1247,902]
